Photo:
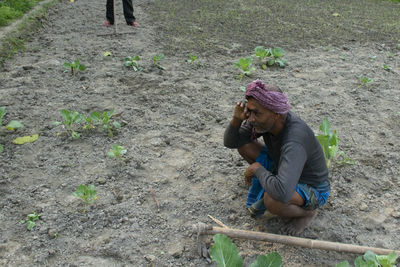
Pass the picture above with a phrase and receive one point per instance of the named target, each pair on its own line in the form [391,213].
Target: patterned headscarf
[275,101]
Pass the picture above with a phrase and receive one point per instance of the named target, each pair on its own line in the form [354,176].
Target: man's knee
[250,151]
[272,205]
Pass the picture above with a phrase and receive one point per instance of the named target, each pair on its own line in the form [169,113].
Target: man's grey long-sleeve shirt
[296,152]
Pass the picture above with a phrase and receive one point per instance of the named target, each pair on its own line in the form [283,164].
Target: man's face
[262,119]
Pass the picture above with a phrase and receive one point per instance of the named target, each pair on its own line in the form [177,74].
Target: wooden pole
[203,229]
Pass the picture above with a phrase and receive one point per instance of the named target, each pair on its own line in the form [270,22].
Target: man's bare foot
[297,225]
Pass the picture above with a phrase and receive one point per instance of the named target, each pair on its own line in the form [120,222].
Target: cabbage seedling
[12,125]
[365,80]
[86,193]
[133,62]
[245,65]
[371,259]
[72,119]
[329,141]
[277,57]
[31,220]
[156,61]
[192,59]
[107,125]
[116,152]
[386,67]
[261,53]
[93,120]
[330,145]
[74,66]
[225,253]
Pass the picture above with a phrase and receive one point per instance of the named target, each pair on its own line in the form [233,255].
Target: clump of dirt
[173,123]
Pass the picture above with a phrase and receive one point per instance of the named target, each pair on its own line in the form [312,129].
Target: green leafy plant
[74,66]
[365,80]
[276,57]
[132,62]
[116,152]
[226,254]
[330,144]
[31,220]
[370,259]
[245,65]
[386,67]
[273,56]
[92,120]
[156,61]
[390,54]
[71,122]
[192,59]
[261,53]
[11,126]
[109,126]
[86,193]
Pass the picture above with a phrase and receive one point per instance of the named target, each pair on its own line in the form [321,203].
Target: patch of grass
[15,41]
[13,9]
[8,14]
[222,25]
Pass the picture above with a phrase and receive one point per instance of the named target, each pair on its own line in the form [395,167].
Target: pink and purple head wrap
[264,93]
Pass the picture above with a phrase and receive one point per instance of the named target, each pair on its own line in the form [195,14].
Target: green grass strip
[15,40]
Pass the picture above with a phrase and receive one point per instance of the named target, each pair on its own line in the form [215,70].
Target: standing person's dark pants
[128,11]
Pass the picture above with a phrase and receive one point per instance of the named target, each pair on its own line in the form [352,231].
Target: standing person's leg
[128,12]
[110,11]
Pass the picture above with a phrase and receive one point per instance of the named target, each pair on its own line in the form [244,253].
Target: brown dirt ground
[173,122]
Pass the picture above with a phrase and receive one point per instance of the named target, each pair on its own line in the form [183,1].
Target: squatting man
[288,175]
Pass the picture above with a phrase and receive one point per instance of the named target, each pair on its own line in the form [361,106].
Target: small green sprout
[107,125]
[156,61]
[72,120]
[390,54]
[245,65]
[330,144]
[12,125]
[107,54]
[386,67]
[133,62]
[329,141]
[398,47]
[93,120]
[74,66]
[116,152]
[192,59]
[86,193]
[31,220]
[365,80]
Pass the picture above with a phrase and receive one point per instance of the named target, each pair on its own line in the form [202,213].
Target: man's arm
[238,133]
[291,163]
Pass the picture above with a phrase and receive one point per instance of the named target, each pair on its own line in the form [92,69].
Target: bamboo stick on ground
[218,222]
[203,229]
